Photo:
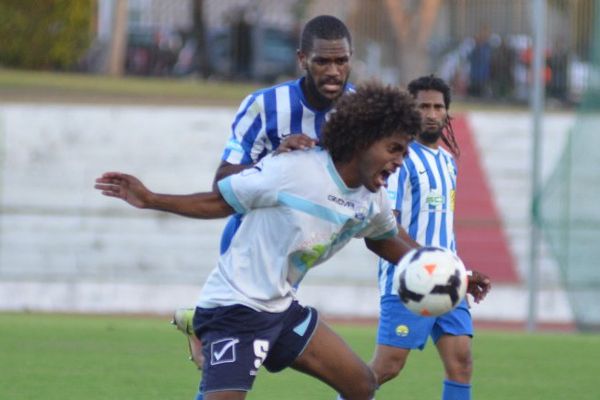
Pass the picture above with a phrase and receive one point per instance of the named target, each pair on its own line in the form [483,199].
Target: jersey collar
[337,178]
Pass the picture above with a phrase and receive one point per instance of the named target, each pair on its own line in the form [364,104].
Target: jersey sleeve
[246,142]
[402,183]
[397,186]
[383,224]
[255,187]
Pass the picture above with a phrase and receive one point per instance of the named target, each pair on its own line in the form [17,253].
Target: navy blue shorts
[237,340]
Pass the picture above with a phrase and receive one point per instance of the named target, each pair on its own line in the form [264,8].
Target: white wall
[56,229]
[64,247]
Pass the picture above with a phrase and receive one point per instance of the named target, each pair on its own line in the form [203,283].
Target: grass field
[43,86]
[36,86]
[104,357]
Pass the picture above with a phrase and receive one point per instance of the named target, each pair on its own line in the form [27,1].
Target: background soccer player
[423,191]
[247,314]
[269,116]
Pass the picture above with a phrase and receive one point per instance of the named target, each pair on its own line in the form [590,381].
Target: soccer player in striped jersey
[247,313]
[290,115]
[423,194]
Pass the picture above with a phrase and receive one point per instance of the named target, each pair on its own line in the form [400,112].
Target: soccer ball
[432,281]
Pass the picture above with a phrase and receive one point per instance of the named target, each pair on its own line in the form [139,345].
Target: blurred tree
[44,34]
[413,25]
[200,35]
[118,40]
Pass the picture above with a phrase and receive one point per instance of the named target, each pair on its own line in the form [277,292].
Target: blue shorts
[237,340]
[399,327]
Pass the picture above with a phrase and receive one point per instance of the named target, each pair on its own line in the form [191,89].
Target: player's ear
[302,61]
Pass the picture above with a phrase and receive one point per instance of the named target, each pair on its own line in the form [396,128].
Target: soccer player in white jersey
[299,209]
[283,117]
[423,193]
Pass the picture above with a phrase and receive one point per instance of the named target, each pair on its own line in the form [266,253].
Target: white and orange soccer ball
[432,281]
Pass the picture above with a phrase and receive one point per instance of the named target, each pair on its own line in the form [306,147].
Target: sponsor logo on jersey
[435,198]
[341,202]
[360,212]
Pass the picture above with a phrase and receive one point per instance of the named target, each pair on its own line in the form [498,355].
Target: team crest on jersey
[360,213]
[451,169]
[223,351]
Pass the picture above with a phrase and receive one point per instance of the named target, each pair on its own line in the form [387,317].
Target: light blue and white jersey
[267,116]
[297,213]
[423,193]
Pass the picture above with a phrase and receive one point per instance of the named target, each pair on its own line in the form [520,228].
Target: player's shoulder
[254,99]
[295,167]
[314,155]
[446,153]
[298,161]
[273,88]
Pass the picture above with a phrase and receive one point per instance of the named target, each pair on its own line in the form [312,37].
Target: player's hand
[479,286]
[125,187]
[295,142]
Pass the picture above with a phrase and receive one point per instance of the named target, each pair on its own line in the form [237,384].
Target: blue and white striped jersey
[266,116]
[423,193]
[298,212]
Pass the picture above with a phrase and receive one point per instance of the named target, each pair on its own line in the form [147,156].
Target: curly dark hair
[323,27]
[371,113]
[432,82]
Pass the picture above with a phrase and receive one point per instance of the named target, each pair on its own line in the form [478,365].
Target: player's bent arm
[391,249]
[225,169]
[402,234]
[207,205]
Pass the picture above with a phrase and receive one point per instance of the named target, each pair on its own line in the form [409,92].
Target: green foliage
[104,357]
[41,34]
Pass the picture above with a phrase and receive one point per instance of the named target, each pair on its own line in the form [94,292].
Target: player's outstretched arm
[131,190]
[391,249]
[225,169]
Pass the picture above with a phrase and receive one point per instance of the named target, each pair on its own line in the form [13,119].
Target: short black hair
[373,112]
[431,82]
[325,27]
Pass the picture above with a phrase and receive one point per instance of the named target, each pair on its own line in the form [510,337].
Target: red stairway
[481,240]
